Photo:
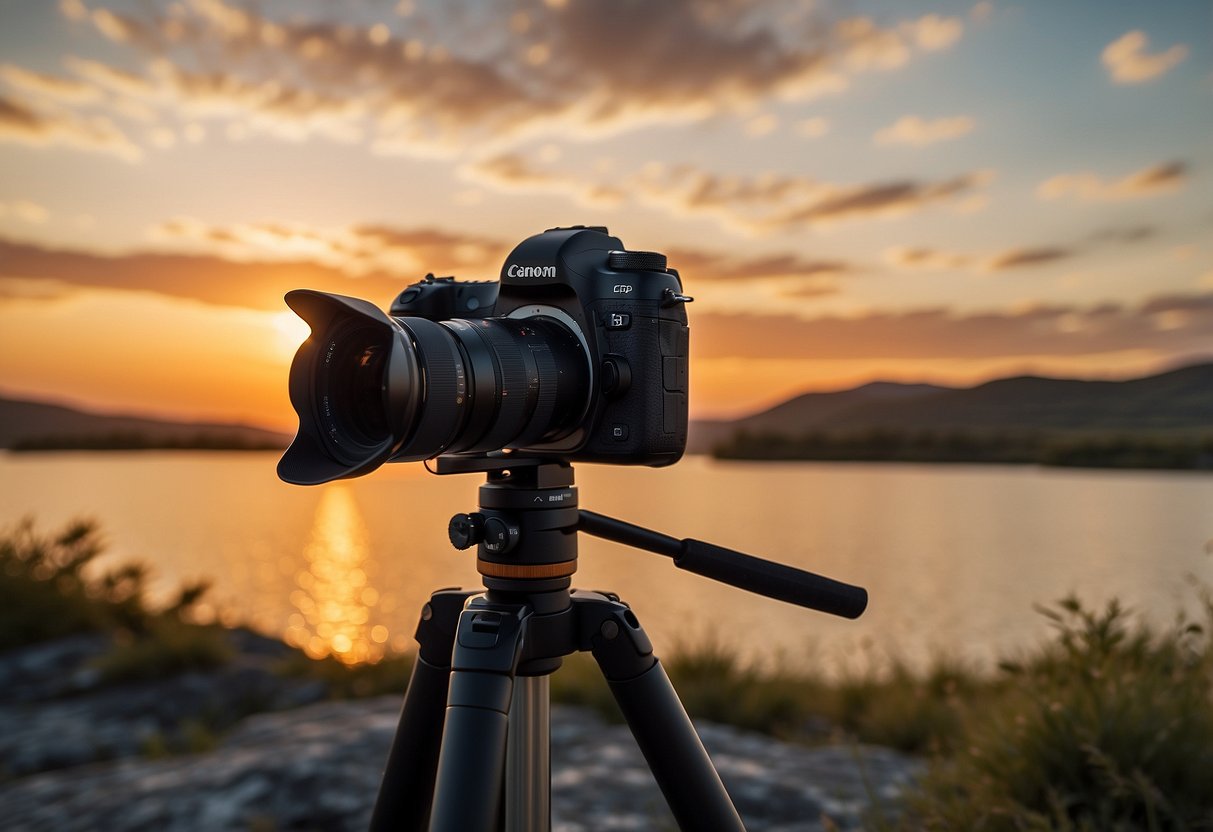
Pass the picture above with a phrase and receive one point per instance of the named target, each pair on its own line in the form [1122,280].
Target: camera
[578,352]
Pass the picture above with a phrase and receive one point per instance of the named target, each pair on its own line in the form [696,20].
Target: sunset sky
[940,192]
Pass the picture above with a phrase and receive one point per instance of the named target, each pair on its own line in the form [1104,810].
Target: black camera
[579,352]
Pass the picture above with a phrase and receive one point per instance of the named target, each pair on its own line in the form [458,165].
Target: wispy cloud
[48,86]
[1019,257]
[1089,187]
[776,202]
[514,172]
[913,130]
[253,265]
[1173,324]
[24,210]
[20,122]
[1128,62]
[926,258]
[442,76]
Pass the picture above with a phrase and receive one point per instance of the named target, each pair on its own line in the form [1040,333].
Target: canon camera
[578,352]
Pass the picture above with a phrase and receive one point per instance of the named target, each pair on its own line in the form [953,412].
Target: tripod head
[526,529]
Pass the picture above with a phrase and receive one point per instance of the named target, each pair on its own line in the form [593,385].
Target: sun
[291,329]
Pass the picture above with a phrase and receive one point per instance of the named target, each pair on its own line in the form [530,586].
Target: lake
[954,558]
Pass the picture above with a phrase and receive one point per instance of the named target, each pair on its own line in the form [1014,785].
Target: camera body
[628,311]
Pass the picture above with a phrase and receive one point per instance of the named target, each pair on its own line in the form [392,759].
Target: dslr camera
[579,352]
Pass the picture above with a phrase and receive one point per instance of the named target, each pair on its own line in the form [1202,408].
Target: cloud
[777,202]
[812,128]
[1166,325]
[1128,62]
[514,172]
[205,278]
[253,265]
[920,132]
[1089,187]
[24,210]
[21,123]
[801,277]
[927,259]
[1019,257]
[443,76]
[48,86]
[1125,234]
[355,251]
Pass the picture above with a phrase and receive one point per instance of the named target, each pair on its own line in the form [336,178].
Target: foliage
[50,588]
[1110,727]
[1088,449]
[167,647]
[388,676]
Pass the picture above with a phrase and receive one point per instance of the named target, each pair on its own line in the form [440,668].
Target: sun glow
[291,330]
[334,598]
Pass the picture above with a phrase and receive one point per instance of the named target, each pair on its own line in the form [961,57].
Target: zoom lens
[369,388]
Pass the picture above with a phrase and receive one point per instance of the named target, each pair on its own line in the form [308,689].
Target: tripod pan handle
[774,580]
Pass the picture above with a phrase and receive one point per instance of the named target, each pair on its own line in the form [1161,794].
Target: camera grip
[774,580]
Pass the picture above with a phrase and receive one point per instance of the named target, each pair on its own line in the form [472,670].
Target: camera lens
[369,388]
[353,387]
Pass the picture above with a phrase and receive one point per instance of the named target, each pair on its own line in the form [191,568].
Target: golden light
[291,330]
[334,600]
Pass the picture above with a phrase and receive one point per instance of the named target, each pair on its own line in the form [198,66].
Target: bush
[1110,727]
[46,592]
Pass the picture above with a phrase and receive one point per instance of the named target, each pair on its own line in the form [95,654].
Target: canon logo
[530,271]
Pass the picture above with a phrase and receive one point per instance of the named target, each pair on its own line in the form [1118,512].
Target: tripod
[474,726]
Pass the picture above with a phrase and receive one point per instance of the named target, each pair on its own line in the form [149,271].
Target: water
[953,557]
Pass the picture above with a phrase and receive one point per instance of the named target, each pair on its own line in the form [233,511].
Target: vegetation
[1109,726]
[1088,449]
[47,590]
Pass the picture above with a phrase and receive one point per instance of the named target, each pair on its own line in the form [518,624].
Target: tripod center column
[528,776]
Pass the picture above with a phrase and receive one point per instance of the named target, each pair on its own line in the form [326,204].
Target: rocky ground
[77,756]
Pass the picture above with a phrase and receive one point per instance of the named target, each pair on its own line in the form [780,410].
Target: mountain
[1179,400]
[32,425]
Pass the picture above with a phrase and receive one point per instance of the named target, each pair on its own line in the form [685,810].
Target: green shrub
[166,648]
[388,676]
[43,593]
[1110,727]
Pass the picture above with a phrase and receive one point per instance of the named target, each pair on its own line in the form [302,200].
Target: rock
[54,714]
[318,767]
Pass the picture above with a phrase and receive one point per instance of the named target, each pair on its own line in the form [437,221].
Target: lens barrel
[369,388]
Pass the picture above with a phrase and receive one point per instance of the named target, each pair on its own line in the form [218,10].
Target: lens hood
[321,452]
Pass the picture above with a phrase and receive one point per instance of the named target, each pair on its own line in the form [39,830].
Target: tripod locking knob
[466,530]
[499,536]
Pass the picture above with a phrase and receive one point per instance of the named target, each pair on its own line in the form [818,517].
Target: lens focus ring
[442,414]
[515,407]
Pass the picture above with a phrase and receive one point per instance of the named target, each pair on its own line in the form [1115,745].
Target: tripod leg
[471,765]
[408,780]
[660,724]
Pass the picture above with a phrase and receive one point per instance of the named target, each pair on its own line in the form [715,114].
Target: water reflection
[335,598]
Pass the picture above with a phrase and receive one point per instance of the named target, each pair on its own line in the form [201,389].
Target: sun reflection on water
[335,598]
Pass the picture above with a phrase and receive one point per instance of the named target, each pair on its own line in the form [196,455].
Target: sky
[943,192]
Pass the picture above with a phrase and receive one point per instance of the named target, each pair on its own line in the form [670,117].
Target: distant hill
[1178,401]
[32,425]
[808,411]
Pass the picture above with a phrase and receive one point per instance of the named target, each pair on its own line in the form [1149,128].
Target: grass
[1107,726]
[48,589]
